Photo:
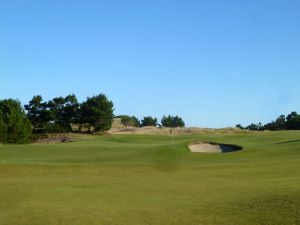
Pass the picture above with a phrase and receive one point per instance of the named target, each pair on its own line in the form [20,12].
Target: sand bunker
[213,147]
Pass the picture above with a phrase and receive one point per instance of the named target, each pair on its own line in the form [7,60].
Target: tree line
[289,122]
[166,121]
[61,114]
[65,114]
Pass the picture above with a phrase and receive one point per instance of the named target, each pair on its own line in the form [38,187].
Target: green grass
[137,180]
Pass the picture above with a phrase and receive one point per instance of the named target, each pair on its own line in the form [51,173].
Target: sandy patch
[212,147]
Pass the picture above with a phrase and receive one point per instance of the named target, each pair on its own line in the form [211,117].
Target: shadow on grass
[286,142]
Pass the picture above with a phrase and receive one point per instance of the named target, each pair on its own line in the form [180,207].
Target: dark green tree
[97,112]
[56,107]
[278,124]
[172,121]
[149,121]
[56,115]
[3,128]
[39,113]
[240,126]
[71,109]
[271,126]
[15,127]
[34,109]
[293,121]
[253,126]
[63,112]
[178,122]
[281,123]
[167,121]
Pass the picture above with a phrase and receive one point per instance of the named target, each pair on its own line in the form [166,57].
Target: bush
[15,127]
[130,121]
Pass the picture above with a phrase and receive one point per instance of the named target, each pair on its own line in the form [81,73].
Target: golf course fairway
[144,179]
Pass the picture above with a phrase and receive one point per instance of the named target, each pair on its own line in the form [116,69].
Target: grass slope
[135,180]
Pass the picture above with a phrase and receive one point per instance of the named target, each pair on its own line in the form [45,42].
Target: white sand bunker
[213,147]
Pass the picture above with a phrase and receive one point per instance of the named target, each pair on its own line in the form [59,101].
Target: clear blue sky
[216,63]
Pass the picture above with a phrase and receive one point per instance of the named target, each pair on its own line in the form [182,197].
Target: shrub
[131,121]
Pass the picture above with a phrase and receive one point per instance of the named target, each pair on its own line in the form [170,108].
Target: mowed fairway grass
[144,179]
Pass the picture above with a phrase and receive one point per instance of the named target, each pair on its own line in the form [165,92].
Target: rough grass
[176,131]
[142,179]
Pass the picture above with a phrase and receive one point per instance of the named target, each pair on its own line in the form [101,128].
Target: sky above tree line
[215,63]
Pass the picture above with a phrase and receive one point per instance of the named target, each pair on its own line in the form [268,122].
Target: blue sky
[215,63]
